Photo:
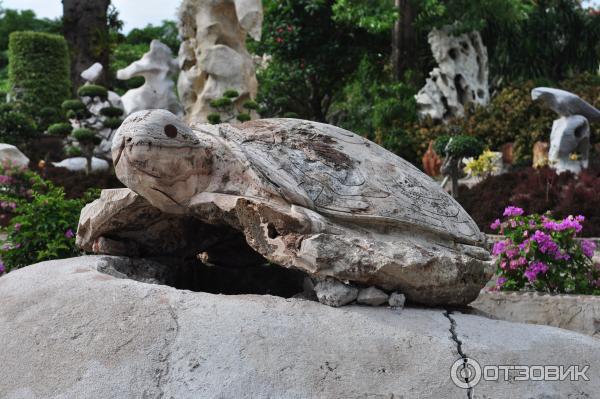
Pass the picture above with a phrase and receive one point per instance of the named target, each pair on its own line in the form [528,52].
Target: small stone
[334,293]
[372,296]
[397,300]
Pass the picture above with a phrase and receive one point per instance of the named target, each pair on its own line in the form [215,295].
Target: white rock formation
[9,154]
[158,67]
[335,293]
[460,79]
[79,164]
[93,73]
[213,57]
[70,331]
[372,296]
[94,106]
[570,137]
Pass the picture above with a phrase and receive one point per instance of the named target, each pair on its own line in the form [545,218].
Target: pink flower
[69,234]
[500,282]
[588,247]
[496,225]
[513,211]
[17,226]
[534,269]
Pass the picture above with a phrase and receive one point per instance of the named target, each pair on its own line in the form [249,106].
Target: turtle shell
[344,176]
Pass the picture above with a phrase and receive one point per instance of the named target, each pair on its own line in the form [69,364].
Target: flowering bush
[43,228]
[543,254]
[16,185]
[485,165]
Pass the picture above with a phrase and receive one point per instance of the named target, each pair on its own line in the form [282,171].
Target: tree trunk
[86,29]
[404,39]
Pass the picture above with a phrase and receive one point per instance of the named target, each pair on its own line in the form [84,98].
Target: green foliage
[458,146]
[307,73]
[73,105]
[214,118]
[73,151]
[16,127]
[468,15]
[112,123]
[111,112]
[221,102]
[250,104]
[90,90]
[231,94]
[39,72]
[291,115]
[85,135]
[43,229]
[558,39]
[244,117]
[60,129]
[167,33]
[375,16]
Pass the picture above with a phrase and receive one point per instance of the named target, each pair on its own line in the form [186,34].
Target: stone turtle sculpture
[305,195]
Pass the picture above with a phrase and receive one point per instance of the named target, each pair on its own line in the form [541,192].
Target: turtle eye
[171,131]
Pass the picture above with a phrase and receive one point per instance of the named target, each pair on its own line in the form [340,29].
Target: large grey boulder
[11,155]
[70,331]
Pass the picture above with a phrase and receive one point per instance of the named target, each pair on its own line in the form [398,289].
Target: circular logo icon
[465,373]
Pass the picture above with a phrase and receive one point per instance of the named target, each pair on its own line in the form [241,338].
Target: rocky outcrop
[158,67]
[11,155]
[213,57]
[70,331]
[580,313]
[461,78]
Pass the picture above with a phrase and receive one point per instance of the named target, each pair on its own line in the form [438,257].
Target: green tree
[313,56]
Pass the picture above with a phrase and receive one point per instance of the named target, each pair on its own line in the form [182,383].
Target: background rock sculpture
[303,195]
[213,57]
[460,79]
[94,106]
[158,67]
[570,136]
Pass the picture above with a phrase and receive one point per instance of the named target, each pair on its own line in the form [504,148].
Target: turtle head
[161,158]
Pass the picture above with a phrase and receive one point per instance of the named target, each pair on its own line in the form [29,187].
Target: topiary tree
[38,74]
[226,111]
[455,148]
[85,125]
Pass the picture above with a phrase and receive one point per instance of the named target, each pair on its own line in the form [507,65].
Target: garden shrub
[43,229]
[16,187]
[542,254]
[39,73]
[90,90]
[536,191]
[16,127]
[60,129]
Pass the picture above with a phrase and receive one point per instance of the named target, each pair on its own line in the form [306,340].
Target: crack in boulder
[459,348]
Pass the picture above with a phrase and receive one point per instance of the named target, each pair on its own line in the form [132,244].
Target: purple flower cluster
[2,268]
[5,179]
[566,224]
[513,211]
[8,205]
[588,247]
[69,234]
[535,268]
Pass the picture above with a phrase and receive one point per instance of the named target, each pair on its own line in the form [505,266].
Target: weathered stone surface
[68,331]
[372,296]
[460,79]
[580,313]
[397,300]
[308,196]
[9,154]
[158,67]
[334,293]
[570,137]
[213,57]
[93,73]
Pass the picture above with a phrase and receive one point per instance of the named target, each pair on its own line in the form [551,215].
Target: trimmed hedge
[38,72]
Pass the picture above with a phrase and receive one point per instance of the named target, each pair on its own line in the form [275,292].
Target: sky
[134,13]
